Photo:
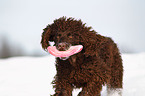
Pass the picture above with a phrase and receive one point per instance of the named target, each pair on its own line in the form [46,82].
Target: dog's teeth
[63,58]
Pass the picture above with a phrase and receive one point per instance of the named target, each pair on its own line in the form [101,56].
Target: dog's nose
[62,46]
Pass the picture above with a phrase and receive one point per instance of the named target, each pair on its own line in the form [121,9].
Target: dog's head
[66,33]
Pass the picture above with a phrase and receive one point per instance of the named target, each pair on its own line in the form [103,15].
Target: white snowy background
[22,21]
[21,24]
[32,76]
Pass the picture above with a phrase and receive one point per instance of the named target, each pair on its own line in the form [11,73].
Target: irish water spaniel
[99,63]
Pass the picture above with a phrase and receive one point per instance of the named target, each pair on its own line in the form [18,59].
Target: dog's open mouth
[64,54]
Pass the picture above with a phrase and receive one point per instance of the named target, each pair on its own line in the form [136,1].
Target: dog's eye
[69,35]
[57,37]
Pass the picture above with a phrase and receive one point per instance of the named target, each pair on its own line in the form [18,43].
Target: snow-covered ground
[32,76]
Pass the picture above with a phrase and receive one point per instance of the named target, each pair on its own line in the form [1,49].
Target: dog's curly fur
[99,62]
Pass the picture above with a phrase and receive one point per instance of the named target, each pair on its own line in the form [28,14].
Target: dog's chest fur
[76,75]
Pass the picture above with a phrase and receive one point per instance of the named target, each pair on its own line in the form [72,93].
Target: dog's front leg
[61,92]
[62,88]
[91,89]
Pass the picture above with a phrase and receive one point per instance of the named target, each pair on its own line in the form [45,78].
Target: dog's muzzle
[63,46]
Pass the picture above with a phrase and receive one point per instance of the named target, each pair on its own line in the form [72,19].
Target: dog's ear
[91,51]
[89,42]
[47,35]
[94,44]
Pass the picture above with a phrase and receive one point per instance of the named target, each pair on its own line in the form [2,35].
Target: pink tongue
[72,50]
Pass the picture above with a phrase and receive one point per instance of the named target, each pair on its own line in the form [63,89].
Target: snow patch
[32,76]
[114,92]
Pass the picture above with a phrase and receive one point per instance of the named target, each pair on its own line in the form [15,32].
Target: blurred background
[22,23]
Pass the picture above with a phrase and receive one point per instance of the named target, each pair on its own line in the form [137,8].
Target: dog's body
[99,62]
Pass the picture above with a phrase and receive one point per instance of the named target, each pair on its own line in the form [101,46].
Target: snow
[32,76]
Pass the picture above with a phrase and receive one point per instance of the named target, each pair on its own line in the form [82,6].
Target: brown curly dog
[99,62]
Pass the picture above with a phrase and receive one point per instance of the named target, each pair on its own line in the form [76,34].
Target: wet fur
[99,62]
